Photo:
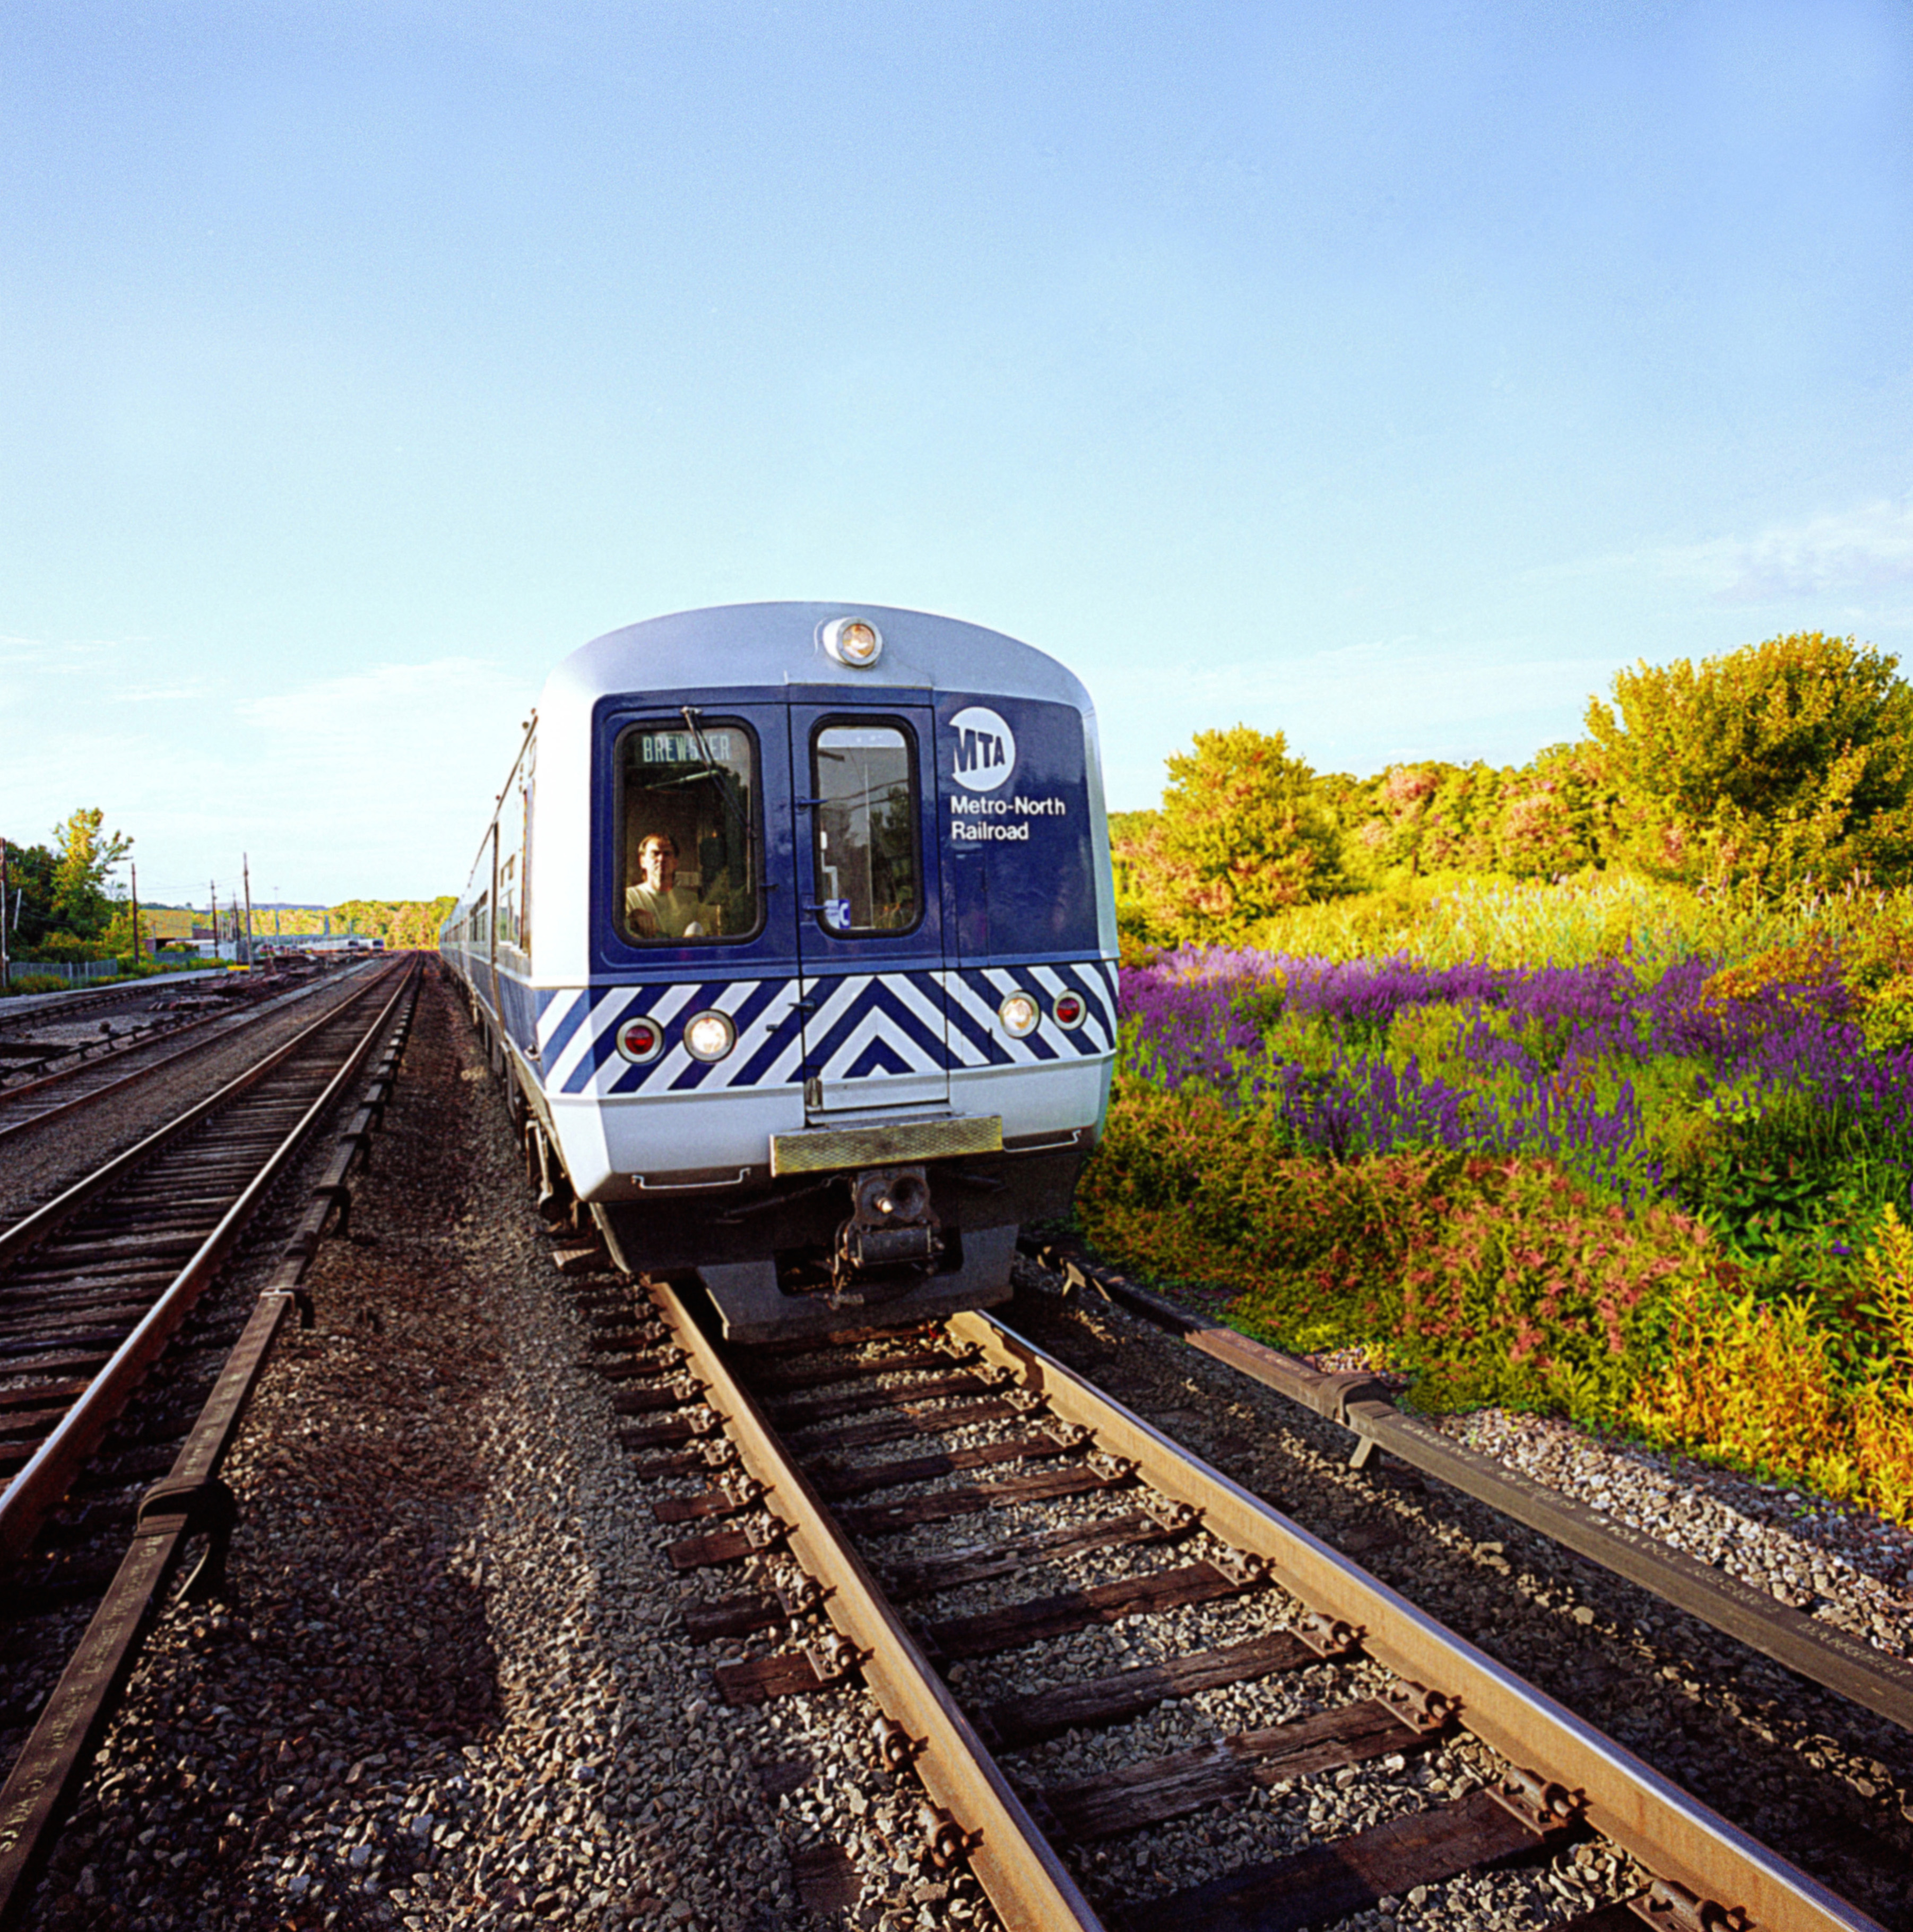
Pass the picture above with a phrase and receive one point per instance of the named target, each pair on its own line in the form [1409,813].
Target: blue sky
[1386,375]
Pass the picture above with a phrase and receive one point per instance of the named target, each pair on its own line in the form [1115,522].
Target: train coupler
[891,1225]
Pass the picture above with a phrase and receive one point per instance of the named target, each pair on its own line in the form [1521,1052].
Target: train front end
[844,1016]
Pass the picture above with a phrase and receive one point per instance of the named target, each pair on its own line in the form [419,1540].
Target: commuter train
[793,935]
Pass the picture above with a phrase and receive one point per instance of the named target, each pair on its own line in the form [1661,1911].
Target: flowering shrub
[1636,1194]
[1677,1085]
[1762,1385]
[1498,1280]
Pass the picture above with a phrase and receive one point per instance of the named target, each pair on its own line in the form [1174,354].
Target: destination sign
[680,748]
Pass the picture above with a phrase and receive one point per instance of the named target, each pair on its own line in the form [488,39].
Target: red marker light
[1070,1010]
[640,1040]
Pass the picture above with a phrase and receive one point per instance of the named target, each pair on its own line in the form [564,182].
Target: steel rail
[1672,1834]
[1030,1886]
[39,1487]
[235,1023]
[1843,1663]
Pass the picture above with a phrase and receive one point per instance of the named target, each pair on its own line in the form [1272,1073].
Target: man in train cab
[658,907]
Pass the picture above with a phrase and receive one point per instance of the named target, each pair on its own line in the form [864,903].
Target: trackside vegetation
[1631,1142]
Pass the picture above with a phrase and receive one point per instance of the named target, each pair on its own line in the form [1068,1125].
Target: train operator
[658,907]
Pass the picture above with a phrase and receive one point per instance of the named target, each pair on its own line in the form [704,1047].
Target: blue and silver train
[793,934]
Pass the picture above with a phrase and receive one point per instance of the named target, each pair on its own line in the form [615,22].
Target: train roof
[755,646]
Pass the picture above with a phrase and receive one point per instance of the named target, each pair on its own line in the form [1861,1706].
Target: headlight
[1019,1014]
[640,1040]
[1069,1009]
[709,1037]
[853,641]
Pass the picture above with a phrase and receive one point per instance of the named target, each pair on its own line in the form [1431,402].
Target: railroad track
[24,1014]
[1120,1646]
[99,1288]
[52,1077]
[95,1283]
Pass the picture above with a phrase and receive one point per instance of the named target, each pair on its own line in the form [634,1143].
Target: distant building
[166,925]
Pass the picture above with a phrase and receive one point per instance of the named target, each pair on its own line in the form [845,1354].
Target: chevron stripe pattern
[860,1025]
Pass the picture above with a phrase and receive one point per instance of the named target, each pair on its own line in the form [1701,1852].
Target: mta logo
[983,749]
[978,751]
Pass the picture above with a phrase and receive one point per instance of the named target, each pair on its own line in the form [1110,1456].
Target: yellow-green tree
[1242,832]
[1780,761]
[86,854]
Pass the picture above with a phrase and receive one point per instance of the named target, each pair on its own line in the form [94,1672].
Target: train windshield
[869,878]
[687,803]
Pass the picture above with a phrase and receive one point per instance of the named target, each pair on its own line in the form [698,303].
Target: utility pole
[246,873]
[212,900]
[5,981]
[133,865]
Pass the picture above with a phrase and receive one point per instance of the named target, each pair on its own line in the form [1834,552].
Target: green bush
[1783,760]
[1243,831]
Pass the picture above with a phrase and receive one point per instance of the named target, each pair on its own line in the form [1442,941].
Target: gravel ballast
[447,1685]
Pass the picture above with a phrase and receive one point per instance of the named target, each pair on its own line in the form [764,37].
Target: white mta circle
[983,749]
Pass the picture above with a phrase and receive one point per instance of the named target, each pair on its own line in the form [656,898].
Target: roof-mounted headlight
[853,642]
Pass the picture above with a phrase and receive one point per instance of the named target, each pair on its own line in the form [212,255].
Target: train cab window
[869,876]
[687,852]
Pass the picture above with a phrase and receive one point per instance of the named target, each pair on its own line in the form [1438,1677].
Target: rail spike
[1428,1710]
[946,1843]
[1674,1905]
[1541,1804]
[1242,1566]
[833,1656]
[1328,1635]
[1174,1517]
[892,1747]
[801,1596]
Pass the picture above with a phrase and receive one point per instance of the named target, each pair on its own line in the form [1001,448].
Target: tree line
[1783,765]
[400,923]
[58,905]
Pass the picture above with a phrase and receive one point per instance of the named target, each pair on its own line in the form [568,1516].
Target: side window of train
[512,821]
[688,838]
[507,900]
[869,871]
